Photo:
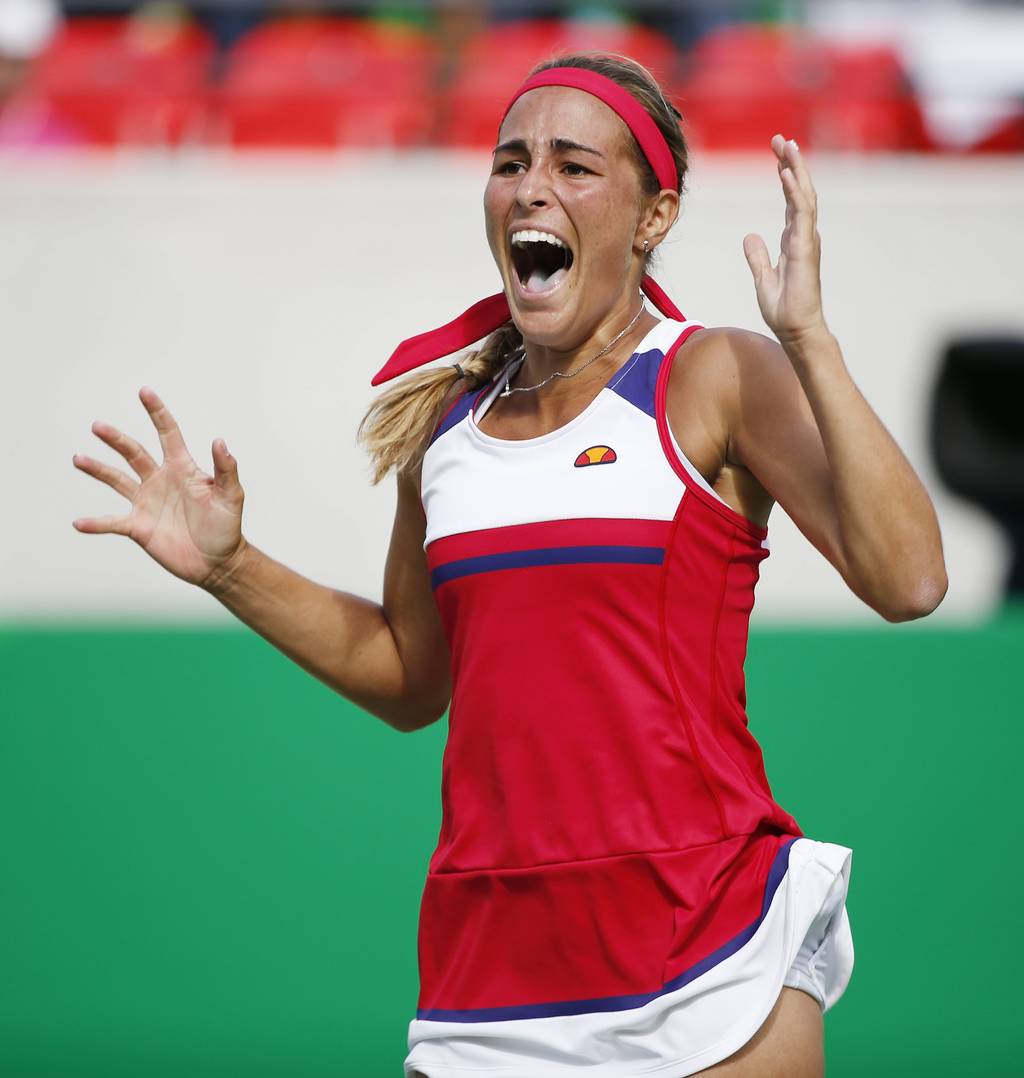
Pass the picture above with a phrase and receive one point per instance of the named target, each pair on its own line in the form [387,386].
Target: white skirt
[803,940]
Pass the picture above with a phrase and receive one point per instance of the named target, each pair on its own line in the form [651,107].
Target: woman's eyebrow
[559,145]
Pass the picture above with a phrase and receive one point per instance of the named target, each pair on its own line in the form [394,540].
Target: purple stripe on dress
[637,385]
[560,555]
[455,414]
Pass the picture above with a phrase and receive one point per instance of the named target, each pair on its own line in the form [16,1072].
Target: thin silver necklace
[509,390]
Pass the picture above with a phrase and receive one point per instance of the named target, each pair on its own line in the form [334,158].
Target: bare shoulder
[730,349]
[735,371]
[720,376]
[720,368]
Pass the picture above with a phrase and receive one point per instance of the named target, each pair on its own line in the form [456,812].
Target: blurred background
[212,864]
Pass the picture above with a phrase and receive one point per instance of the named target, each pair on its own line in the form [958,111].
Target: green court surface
[212,865]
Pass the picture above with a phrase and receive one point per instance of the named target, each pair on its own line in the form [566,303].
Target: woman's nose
[533,188]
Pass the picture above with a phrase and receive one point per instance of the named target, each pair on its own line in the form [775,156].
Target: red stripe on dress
[577,531]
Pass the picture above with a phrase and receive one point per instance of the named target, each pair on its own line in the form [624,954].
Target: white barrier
[258,296]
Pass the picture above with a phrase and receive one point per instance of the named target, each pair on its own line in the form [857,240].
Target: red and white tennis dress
[614,889]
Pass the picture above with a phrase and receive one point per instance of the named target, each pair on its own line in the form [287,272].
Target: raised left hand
[789,293]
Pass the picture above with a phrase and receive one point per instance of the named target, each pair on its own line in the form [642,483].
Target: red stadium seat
[328,82]
[497,60]
[1006,137]
[868,103]
[742,84]
[128,81]
[745,83]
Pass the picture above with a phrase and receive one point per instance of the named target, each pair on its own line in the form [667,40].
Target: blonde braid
[396,428]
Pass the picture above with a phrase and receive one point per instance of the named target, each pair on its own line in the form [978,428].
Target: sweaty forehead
[564,112]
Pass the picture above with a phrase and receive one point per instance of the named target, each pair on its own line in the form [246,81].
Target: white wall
[258,297]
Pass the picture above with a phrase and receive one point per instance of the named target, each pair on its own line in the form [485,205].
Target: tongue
[539,281]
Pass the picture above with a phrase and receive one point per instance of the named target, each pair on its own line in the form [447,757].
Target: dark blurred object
[328,82]
[977,433]
[456,23]
[226,23]
[687,23]
[141,80]
[495,61]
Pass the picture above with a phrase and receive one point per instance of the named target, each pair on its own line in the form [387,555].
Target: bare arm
[802,426]
[805,430]
[390,658]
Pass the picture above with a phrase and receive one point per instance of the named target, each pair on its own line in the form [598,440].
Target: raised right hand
[188,522]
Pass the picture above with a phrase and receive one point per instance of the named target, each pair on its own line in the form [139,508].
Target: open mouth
[540,259]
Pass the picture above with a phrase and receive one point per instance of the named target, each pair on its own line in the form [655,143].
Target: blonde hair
[396,428]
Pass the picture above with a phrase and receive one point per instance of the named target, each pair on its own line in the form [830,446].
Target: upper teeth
[531,236]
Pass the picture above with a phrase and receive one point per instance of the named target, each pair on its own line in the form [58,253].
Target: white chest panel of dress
[606,462]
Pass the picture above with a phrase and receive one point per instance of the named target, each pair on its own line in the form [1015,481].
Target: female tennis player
[582,511]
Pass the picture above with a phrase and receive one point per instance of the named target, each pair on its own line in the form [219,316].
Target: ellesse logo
[596,454]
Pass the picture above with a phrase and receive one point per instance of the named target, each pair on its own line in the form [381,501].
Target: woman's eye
[510,168]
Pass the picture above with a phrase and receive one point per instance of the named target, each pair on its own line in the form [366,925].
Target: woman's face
[563,168]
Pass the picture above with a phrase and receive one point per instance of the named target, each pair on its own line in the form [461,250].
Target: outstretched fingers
[105,473]
[225,471]
[103,525]
[171,440]
[133,452]
[801,198]
[790,156]
[137,457]
[758,259]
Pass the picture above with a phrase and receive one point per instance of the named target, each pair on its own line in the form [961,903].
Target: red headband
[632,113]
[489,314]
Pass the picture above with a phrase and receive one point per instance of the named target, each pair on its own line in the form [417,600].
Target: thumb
[757,256]
[225,469]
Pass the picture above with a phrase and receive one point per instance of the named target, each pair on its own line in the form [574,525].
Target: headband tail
[478,321]
[660,299]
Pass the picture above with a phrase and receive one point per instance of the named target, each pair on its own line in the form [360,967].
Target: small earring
[647,244]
